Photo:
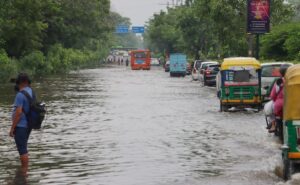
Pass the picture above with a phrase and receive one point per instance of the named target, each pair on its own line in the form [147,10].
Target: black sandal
[272,131]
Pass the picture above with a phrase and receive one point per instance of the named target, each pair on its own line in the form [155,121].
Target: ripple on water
[116,126]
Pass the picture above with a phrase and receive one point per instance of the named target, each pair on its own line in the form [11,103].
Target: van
[178,64]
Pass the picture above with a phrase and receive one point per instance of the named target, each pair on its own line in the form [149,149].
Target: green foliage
[162,33]
[124,40]
[8,67]
[208,28]
[55,36]
[34,63]
[22,26]
[283,43]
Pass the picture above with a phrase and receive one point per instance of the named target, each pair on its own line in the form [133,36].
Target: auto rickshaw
[291,123]
[239,83]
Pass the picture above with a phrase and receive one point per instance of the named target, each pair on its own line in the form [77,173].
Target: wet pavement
[114,126]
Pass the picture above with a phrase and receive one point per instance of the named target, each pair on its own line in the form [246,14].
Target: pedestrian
[127,62]
[20,129]
[277,97]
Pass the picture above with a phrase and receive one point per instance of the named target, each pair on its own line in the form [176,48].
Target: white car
[269,72]
[203,66]
[196,70]
[155,62]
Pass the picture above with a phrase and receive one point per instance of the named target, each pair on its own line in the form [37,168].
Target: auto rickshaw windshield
[243,75]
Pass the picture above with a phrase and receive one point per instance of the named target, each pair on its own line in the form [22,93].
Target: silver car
[269,72]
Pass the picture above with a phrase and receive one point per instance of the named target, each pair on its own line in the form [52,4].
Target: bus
[140,59]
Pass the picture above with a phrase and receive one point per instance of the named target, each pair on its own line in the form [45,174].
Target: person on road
[20,129]
[127,62]
[278,97]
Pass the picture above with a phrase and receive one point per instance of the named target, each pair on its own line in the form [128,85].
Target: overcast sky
[139,11]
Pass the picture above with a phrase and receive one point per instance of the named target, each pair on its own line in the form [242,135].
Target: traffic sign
[138,29]
[122,29]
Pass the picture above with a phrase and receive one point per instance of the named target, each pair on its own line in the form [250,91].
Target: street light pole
[257,47]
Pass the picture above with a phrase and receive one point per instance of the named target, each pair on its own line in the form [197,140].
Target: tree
[22,26]
[283,43]
[208,27]
[125,39]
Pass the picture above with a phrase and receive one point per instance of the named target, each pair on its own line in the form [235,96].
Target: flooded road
[114,126]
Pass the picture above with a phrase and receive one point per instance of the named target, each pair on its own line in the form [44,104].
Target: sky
[139,11]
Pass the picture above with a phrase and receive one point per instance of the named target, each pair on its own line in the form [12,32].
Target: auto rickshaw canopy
[292,93]
[230,63]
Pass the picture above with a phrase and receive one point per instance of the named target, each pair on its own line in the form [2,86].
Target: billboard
[258,16]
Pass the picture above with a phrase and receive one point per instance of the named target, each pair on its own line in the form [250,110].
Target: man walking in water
[20,129]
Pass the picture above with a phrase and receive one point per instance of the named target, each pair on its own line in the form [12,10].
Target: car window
[140,55]
[212,67]
[205,65]
[271,71]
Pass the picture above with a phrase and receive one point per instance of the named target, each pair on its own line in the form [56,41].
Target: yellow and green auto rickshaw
[239,83]
[291,123]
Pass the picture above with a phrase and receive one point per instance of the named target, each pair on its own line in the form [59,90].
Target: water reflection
[20,177]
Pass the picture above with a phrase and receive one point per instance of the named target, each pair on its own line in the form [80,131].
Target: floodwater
[114,126]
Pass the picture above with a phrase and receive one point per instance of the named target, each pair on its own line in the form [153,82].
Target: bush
[8,67]
[283,43]
[35,64]
[58,60]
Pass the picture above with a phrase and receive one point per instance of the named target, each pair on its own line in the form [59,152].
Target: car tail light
[208,72]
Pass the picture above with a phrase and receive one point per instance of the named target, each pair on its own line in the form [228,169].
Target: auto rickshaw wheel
[223,108]
[288,169]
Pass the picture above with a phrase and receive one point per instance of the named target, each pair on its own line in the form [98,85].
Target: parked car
[154,62]
[167,66]
[203,66]
[210,73]
[196,70]
[178,63]
[269,72]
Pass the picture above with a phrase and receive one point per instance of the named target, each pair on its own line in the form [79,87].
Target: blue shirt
[21,101]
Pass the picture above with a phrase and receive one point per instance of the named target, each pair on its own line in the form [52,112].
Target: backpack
[36,113]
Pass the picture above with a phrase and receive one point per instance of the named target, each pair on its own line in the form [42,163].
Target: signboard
[122,29]
[138,29]
[140,62]
[258,16]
